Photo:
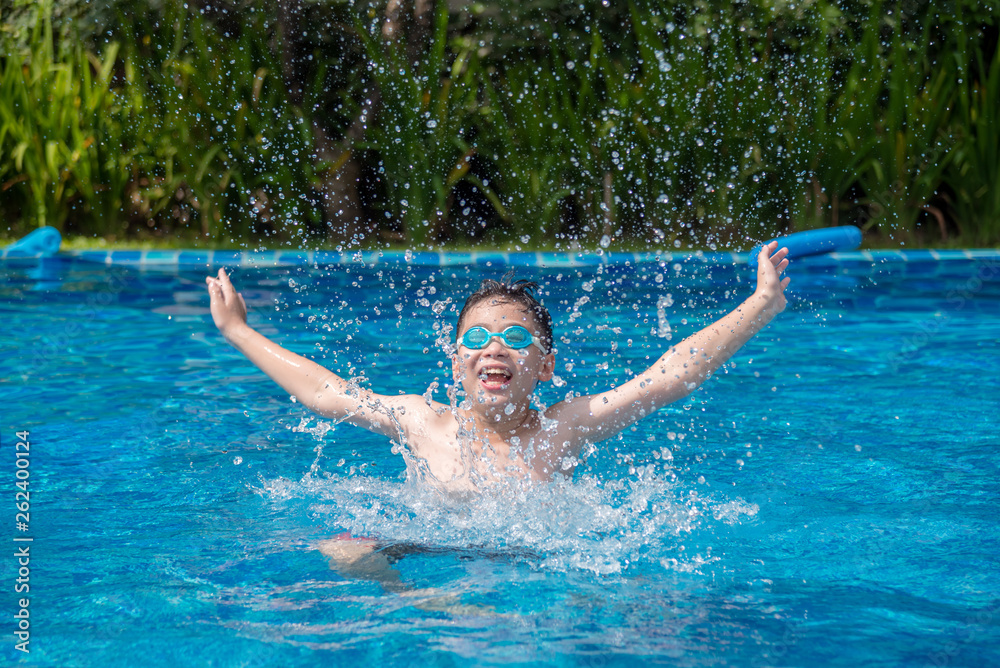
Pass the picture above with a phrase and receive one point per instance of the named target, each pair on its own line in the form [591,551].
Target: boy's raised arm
[685,366]
[319,389]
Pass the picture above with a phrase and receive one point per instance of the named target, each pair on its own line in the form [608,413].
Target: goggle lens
[515,337]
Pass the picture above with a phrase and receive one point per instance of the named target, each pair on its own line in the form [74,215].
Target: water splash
[663,328]
[583,524]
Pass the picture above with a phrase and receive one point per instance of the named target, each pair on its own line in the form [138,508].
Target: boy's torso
[448,445]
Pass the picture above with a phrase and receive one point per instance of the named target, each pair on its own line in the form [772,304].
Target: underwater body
[827,499]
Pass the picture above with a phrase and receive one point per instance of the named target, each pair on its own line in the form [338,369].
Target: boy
[504,349]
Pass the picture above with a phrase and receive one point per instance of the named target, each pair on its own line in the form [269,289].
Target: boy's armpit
[408,417]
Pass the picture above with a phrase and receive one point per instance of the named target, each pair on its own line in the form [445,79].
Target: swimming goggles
[515,337]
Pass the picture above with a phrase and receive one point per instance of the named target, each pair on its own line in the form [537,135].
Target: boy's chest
[451,453]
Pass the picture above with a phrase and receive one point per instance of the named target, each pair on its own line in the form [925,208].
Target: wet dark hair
[520,292]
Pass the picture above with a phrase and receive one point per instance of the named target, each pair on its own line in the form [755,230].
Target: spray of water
[586,523]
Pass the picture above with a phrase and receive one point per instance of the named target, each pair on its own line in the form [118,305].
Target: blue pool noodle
[815,242]
[42,242]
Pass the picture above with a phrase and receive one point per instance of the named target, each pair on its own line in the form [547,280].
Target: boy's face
[496,374]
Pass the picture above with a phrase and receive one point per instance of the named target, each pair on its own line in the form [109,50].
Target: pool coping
[223,258]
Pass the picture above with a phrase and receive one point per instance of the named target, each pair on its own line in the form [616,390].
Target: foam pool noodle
[42,242]
[815,242]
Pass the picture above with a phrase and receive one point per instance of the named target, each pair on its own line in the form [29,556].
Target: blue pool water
[830,499]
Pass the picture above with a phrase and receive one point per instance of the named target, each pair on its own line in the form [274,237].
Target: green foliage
[973,173]
[545,136]
[61,129]
[420,132]
[716,115]
[654,121]
[182,129]
[911,147]
[224,149]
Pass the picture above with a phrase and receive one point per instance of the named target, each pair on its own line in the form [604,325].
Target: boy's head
[504,344]
[508,291]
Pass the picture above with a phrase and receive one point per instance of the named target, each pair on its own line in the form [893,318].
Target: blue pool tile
[914,262]
[890,256]
[492,259]
[293,258]
[160,257]
[522,259]
[663,256]
[259,259]
[126,257]
[226,258]
[102,257]
[917,256]
[718,257]
[614,257]
[557,261]
[984,253]
[371,257]
[387,257]
[426,258]
[815,261]
[326,258]
[952,255]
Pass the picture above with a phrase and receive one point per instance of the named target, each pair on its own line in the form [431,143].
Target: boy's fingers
[227,286]
[782,265]
[241,301]
[785,281]
[768,252]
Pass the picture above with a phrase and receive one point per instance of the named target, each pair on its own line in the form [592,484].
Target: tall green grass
[973,173]
[715,116]
[179,130]
[62,129]
[911,147]
[547,138]
[420,135]
[700,123]
[225,153]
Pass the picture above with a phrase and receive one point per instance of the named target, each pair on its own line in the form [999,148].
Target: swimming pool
[829,499]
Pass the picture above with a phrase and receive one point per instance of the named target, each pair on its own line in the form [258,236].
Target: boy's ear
[548,368]
[455,368]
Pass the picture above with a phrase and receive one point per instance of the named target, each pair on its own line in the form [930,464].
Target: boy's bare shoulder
[417,406]
[426,425]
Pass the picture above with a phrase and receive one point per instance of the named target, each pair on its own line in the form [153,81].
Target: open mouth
[494,378]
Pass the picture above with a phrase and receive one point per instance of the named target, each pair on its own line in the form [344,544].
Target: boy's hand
[771,262]
[229,311]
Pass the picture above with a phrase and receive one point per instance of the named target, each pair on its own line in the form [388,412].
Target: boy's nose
[495,347]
